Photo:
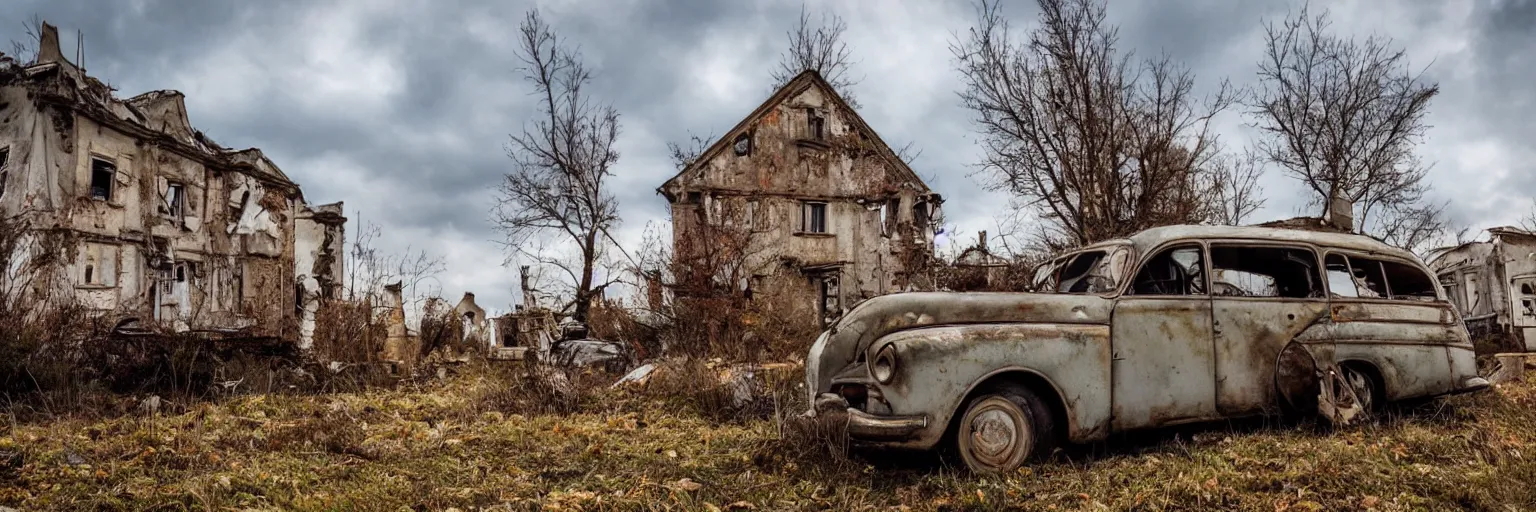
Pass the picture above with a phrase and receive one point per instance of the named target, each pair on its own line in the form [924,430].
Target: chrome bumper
[1472,385]
[869,427]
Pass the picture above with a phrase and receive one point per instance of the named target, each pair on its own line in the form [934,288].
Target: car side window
[1407,282]
[1289,272]
[1178,270]
[1340,282]
[1352,276]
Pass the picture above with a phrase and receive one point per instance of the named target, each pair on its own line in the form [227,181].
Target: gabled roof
[806,79]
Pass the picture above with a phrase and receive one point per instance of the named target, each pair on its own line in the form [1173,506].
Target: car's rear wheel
[1364,387]
[1002,429]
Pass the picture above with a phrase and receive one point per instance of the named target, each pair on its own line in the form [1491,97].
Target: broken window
[813,218]
[694,197]
[1355,277]
[743,144]
[1093,271]
[1528,299]
[815,124]
[1264,272]
[920,212]
[102,174]
[1179,270]
[1407,282]
[5,156]
[175,199]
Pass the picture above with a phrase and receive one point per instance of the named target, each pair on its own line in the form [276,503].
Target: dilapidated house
[132,211]
[804,199]
[1493,285]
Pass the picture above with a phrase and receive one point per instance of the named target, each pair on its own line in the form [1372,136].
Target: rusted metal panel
[1164,361]
[883,315]
[1250,334]
[938,366]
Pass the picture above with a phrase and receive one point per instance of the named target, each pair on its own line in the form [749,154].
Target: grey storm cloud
[402,108]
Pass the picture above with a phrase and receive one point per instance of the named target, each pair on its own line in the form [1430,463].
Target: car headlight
[883,368]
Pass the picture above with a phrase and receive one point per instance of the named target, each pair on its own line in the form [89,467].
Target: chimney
[48,45]
[981,241]
[1341,212]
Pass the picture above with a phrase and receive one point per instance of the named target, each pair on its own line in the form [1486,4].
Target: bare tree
[561,163]
[1236,188]
[1416,228]
[1097,147]
[819,47]
[684,154]
[1343,116]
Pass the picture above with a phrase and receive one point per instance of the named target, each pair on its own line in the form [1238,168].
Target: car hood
[839,347]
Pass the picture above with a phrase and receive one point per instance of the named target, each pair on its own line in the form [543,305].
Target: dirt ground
[452,445]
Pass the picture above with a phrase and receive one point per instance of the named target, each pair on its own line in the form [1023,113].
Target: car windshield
[1096,271]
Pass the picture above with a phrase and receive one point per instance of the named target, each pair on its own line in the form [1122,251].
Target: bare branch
[818,47]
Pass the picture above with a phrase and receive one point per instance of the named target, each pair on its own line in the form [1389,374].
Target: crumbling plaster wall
[319,243]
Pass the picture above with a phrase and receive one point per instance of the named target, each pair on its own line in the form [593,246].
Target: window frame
[1142,260]
[111,177]
[5,168]
[806,218]
[1348,255]
[1321,273]
[177,206]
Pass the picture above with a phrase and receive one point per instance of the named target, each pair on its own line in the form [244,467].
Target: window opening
[1264,272]
[743,144]
[815,124]
[814,218]
[1408,282]
[5,156]
[1175,271]
[1340,282]
[102,173]
[175,199]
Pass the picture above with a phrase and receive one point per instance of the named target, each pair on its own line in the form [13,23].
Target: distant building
[1493,285]
[829,212]
[132,211]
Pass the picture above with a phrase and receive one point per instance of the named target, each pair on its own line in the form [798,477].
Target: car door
[1161,337]
[1263,296]
[1387,313]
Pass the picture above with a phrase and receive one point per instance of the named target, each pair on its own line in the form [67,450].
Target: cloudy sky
[401,108]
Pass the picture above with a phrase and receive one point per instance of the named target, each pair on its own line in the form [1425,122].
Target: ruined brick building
[804,199]
[134,212]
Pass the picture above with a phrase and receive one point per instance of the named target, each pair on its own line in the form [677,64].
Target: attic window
[815,124]
[102,173]
[694,197]
[743,144]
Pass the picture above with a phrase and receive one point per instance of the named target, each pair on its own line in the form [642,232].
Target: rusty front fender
[938,368]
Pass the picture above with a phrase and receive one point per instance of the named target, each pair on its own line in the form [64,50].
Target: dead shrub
[528,388]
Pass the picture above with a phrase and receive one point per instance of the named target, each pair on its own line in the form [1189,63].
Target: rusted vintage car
[1173,325]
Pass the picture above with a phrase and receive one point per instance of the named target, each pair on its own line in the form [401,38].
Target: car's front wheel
[1003,428]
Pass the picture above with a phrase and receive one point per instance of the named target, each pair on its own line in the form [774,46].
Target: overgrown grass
[461,443]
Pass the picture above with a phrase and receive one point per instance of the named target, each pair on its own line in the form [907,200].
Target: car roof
[1149,239]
